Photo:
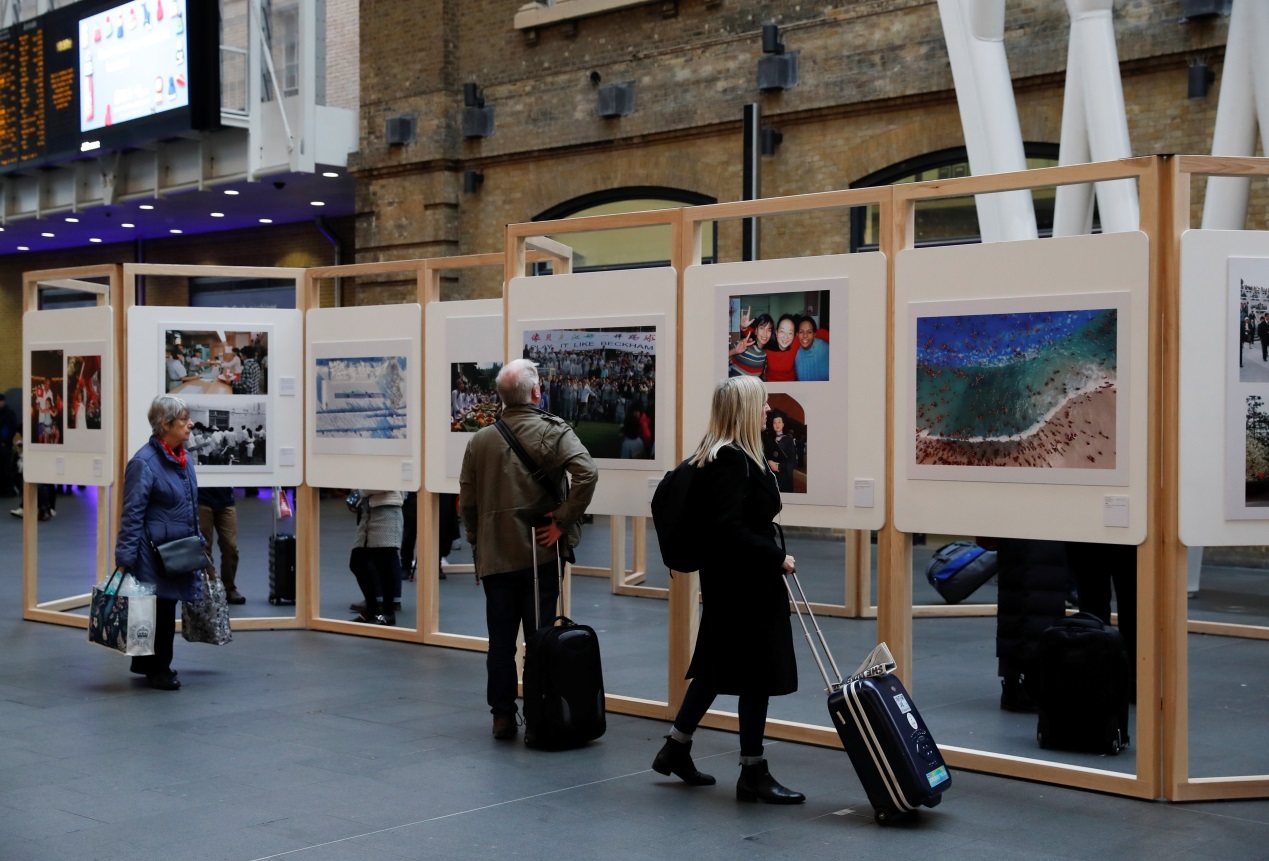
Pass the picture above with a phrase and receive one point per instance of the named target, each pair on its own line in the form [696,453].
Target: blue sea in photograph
[1003,377]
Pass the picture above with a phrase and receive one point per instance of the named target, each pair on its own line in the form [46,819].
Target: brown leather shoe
[504,727]
[233,596]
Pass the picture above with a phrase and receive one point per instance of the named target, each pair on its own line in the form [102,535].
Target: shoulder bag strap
[539,475]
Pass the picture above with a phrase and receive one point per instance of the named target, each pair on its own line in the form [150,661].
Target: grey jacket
[498,497]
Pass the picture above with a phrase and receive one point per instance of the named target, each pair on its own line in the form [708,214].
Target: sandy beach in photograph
[1071,437]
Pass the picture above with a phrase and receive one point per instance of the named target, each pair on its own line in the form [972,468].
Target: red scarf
[178,455]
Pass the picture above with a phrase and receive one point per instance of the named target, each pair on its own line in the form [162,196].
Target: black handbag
[181,557]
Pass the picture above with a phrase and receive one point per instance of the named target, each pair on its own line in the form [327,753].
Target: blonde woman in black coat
[745,643]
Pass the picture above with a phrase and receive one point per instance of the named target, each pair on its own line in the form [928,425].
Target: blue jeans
[508,605]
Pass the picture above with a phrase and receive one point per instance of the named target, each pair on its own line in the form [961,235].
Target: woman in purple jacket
[160,504]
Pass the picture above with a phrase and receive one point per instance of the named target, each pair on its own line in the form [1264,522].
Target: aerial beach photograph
[1030,389]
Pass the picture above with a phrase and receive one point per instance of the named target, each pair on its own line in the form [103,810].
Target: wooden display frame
[57,611]
[131,271]
[520,240]
[1175,626]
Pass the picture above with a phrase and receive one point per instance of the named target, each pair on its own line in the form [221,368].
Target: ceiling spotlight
[94,239]
[23,248]
[316,203]
[147,206]
[127,224]
[175,230]
[47,235]
[70,220]
[331,174]
[218,215]
[266,221]
[231,192]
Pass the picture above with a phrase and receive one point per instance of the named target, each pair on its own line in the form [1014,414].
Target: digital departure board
[101,75]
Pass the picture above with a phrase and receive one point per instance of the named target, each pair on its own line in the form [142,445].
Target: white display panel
[1214,486]
[69,387]
[632,314]
[364,421]
[840,475]
[464,340]
[1051,483]
[244,435]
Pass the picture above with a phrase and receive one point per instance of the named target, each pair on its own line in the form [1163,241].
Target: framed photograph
[1025,389]
[240,371]
[1247,389]
[69,409]
[363,395]
[600,377]
[781,335]
[473,397]
[464,345]
[230,433]
[47,401]
[215,362]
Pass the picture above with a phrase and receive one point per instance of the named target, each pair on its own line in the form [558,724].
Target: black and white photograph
[230,433]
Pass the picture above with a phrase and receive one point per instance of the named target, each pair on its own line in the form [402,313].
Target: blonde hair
[735,418]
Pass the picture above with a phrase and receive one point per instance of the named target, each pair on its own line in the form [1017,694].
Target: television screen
[102,75]
[132,62]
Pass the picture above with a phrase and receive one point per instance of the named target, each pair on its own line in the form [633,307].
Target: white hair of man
[515,382]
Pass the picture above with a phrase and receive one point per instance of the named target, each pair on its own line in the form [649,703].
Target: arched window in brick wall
[627,248]
[946,222]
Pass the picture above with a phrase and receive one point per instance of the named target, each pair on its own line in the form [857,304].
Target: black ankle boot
[757,784]
[1014,696]
[675,757]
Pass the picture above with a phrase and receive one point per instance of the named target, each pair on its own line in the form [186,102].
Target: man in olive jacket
[505,510]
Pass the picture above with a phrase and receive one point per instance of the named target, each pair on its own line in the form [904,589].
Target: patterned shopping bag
[124,623]
[206,620]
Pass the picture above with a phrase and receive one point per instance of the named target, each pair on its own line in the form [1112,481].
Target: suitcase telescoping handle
[829,684]
[559,572]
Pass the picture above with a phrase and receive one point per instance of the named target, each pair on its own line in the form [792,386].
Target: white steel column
[1242,84]
[1095,89]
[974,31]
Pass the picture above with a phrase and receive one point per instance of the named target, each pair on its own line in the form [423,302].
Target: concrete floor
[318,746]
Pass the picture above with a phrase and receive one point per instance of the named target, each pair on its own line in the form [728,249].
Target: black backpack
[680,549]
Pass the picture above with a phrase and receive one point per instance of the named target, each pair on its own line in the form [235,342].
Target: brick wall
[875,88]
[343,55]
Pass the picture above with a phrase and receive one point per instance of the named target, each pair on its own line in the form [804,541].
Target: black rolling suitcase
[563,680]
[1084,681]
[889,745]
[281,569]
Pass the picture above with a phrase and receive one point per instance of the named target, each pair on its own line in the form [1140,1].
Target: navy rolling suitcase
[889,745]
[563,680]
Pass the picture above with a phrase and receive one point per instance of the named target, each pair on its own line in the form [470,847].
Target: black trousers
[508,605]
[752,710]
[378,574]
[1098,568]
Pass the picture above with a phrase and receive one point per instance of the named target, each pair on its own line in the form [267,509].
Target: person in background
[159,493]
[379,533]
[1033,580]
[218,514]
[745,643]
[9,428]
[1098,567]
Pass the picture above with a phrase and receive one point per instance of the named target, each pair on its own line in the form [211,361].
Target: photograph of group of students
[229,433]
[200,362]
[602,381]
[473,397]
[779,337]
